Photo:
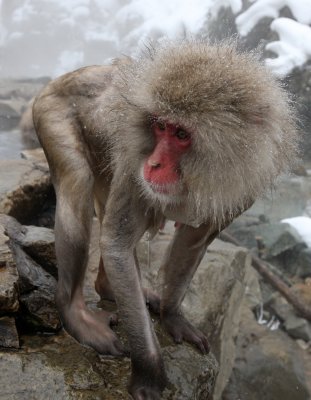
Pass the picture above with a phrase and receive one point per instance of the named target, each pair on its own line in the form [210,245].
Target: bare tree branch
[264,270]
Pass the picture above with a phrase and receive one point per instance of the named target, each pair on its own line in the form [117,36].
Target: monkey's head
[207,126]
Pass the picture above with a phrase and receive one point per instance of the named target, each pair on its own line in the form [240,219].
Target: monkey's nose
[154,164]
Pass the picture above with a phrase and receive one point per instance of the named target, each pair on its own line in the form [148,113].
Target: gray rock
[304,263]
[39,243]
[9,118]
[283,246]
[295,326]
[279,238]
[269,365]
[8,276]
[57,368]
[36,293]
[31,376]
[34,287]
[277,243]
[192,375]
[298,328]
[26,126]
[279,307]
[35,155]
[8,333]
[21,88]
[214,297]
[24,188]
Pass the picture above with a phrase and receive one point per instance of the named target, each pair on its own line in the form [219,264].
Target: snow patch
[302,226]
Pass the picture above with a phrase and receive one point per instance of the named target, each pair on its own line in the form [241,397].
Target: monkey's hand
[181,329]
[148,378]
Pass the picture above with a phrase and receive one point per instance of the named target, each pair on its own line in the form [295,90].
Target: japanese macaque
[190,131]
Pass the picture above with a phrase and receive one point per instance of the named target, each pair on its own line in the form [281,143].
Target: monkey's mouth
[167,189]
[164,192]
[167,193]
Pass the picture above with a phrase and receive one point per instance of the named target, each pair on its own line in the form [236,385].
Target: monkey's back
[71,101]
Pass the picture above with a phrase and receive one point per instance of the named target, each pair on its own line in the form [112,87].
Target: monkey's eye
[161,125]
[182,135]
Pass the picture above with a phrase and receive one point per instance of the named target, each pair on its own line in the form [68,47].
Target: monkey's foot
[181,329]
[92,328]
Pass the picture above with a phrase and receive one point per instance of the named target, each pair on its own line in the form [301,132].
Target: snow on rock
[301,10]
[293,48]
[302,226]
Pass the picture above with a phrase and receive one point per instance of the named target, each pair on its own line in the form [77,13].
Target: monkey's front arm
[123,225]
[182,259]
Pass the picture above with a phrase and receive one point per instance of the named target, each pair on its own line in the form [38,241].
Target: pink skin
[161,168]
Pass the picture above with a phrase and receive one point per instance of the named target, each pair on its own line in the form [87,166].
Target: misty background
[50,37]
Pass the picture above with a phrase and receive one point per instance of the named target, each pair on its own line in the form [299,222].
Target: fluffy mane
[242,121]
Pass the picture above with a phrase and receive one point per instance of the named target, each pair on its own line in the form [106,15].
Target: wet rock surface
[269,365]
[24,188]
[8,333]
[57,367]
[31,294]
[14,97]
[8,276]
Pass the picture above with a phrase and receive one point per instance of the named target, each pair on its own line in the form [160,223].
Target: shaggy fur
[95,125]
[242,121]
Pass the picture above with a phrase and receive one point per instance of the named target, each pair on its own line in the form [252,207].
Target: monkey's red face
[162,167]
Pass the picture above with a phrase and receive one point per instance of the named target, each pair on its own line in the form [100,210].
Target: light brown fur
[95,125]
[244,122]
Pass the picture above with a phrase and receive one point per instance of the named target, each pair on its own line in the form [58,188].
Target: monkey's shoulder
[87,82]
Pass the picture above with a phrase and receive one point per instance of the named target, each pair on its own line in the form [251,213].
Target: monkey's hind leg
[73,182]
[74,212]
[104,290]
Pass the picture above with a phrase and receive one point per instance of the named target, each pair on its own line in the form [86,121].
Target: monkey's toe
[181,329]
